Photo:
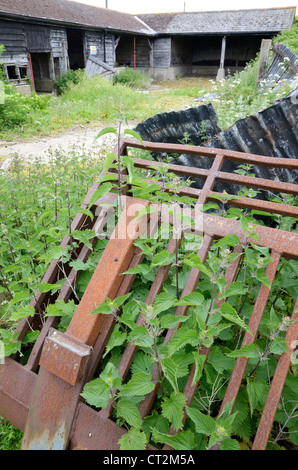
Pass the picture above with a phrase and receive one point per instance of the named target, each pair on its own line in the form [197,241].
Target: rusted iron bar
[254,323]
[276,387]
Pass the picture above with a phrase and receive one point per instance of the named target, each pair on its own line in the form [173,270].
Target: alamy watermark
[172,220]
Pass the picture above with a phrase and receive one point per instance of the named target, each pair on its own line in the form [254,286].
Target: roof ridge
[216,11]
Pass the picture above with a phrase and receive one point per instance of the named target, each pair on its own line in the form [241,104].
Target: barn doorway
[41,71]
[75,39]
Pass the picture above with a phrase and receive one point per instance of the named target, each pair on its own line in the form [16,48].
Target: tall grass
[240,95]
[289,37]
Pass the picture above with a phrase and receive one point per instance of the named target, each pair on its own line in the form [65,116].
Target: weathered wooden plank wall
[162,52]
[59,47]
[12,35]
[37,38]
[104,43]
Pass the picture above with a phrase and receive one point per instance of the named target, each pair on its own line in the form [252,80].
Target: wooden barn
[44,38]
[202,43]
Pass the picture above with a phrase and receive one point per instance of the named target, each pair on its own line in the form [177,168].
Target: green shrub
[289,37]
[71,76]
[132,78]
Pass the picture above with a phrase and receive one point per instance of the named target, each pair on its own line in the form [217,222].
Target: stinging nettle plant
[166,344]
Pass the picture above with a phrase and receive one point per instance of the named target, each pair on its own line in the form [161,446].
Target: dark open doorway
[75,38]
[41,71]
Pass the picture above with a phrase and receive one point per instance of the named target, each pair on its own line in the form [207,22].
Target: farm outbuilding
[44,38]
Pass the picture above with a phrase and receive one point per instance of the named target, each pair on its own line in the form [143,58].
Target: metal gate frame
[42,398]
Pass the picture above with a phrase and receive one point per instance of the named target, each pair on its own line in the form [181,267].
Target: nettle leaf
[139,337]
[129,412]
[84,236]
[111,376]
[146,210]
[263,278]
[255,391]
[229,313]
[219,360]
[164,302]
[134,134]
[10,348]
[199,360]
[46,287]
[181,338]
[22,312]
[117,338]
[30,337]
[235,288]
[204,424]
[173,409]
[170,369]
[19,297]
[195,262]
[61,308]
[106,130]
[97,393]
[183,440]
[140,269]
[279,346]
[171,321]
[248,350]
[86,212]
[79,265]
[163,258]
[194,299]
[230,240]
[229,444]
[156,421]
[103,189]
[109,306]
[55,253]
[134,439]
[140,384]
[142,363]
[183,361]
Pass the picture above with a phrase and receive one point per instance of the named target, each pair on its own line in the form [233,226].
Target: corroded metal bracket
[64,357]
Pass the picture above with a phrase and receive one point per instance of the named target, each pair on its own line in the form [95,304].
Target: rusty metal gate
[42,398]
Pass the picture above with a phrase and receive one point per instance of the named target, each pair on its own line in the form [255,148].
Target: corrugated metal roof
[66,11]
[238,21]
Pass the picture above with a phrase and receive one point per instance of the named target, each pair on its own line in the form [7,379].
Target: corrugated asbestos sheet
[283,66]
[65,11]
[254,20]
[171,127]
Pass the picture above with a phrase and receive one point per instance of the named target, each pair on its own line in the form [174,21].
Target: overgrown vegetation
[71,76]
[289,37]
[132,78]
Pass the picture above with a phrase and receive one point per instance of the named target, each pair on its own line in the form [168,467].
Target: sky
[168,6]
